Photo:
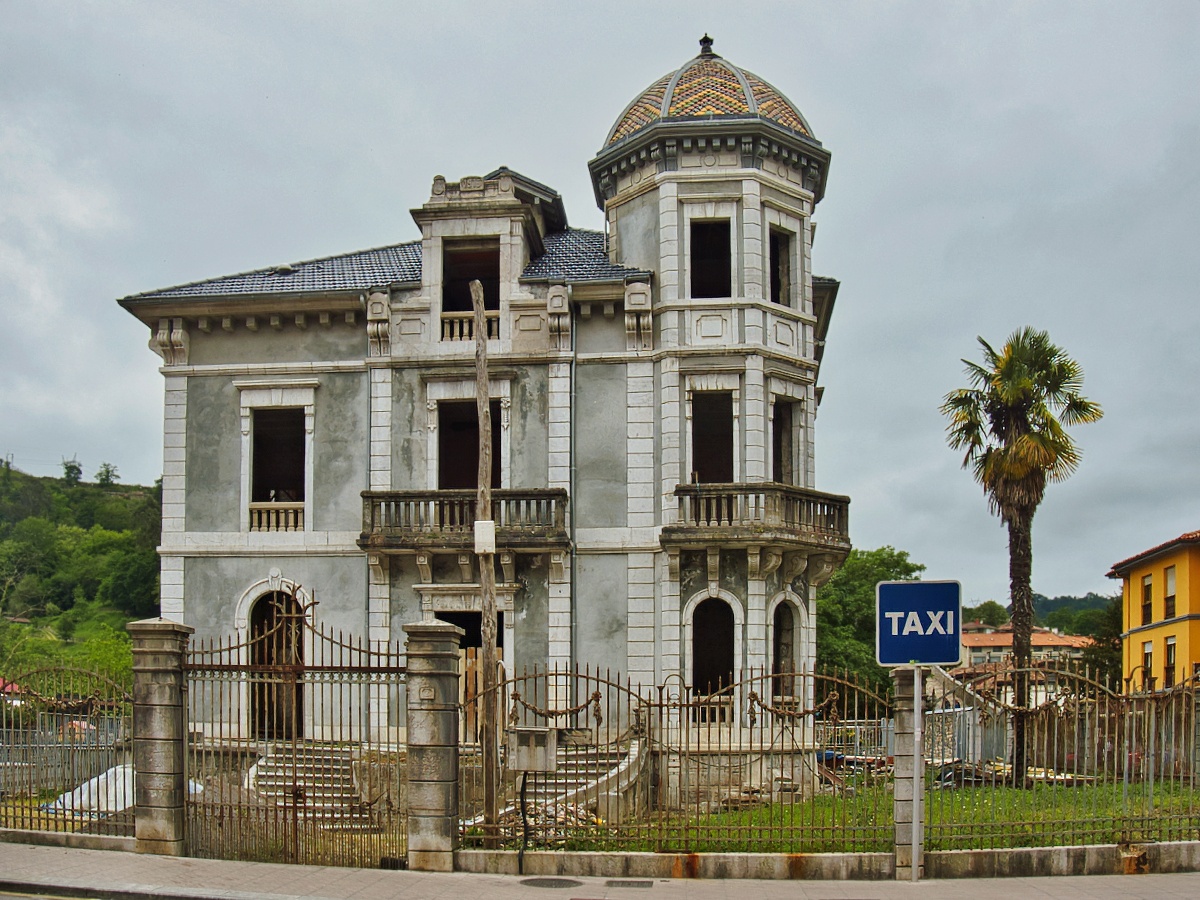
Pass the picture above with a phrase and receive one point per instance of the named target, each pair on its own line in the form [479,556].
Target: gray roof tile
[351,271]
[571,255]
[577,254]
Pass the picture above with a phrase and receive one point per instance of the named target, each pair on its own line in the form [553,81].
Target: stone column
[909,776]
[159,734]
[432,745]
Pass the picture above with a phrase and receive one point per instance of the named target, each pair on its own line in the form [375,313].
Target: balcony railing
[276,516]
[460,326]
[422,519]
[749,510]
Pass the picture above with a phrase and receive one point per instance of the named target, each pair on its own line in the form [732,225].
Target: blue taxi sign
[918,623]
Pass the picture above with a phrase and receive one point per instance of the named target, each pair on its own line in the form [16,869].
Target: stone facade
[653,388]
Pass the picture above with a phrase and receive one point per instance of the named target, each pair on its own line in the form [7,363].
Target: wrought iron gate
[295,746]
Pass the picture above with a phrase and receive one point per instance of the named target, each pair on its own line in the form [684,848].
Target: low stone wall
[1100,859]
[837,866]
[68,839]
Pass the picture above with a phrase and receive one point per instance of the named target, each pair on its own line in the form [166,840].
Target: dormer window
[462,263]
[711,262]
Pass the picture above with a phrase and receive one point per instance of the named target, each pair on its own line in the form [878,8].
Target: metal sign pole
[918,815]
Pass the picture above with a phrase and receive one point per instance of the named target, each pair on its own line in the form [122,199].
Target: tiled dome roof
[705,87]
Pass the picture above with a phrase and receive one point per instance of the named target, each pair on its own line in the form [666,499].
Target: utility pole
[485,549]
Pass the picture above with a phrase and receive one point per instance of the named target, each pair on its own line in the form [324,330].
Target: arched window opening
[783,651]
[277,664]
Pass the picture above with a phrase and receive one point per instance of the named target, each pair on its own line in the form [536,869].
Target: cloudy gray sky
[994,165]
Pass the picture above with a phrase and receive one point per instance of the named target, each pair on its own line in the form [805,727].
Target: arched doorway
[712,646]
[277,667]
[783,650]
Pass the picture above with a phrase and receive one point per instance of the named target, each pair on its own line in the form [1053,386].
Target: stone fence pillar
[159,734]
[432,720]
[909,771]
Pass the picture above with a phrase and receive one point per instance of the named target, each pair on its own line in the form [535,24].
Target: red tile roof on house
[1188,537]
[1043,639]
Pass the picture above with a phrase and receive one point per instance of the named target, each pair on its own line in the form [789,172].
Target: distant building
[1160,639]
[983,645]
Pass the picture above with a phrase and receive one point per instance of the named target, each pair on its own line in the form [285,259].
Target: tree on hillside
[989,612]
[72,472]
[1103,656]
[107,475]
[846,610]
[1012,424]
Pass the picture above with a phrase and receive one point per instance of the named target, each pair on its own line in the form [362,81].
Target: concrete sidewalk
[115,875]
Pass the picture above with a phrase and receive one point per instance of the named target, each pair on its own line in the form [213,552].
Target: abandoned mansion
[653,389]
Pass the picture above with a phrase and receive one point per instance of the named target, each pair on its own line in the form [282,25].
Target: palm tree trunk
[1020,573]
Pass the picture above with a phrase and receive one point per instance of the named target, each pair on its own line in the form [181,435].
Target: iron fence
[295,750]
[66,752]
[774,763]
[1100,767]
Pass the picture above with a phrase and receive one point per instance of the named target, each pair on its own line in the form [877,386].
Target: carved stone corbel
[559,313]
[465,568]
[274,580]
[171,342]
[673,565]
[431,408]
[820,568]
[508,564]
[505,412]
[639,322]
[425,568]
[379,331]
[753,556]
[378,565]
[795,566]
[558,565]
[714,569]
[772,557]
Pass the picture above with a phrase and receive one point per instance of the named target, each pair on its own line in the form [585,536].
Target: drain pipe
[574,606]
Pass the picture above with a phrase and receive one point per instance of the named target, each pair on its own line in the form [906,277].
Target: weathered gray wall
[602,468]
[214,454]
[531,612]
[215,584]
[601,592]
[530,438]
[341,446]
[637,232]
[337,341]
[410,424]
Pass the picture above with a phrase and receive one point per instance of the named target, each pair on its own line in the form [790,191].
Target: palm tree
[1012,423]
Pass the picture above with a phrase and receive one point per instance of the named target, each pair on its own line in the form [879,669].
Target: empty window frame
[1147,663]
[458,444]
[1147,599]
[277,469]
[467,261]
[784,420]
[780,265]
[711,258]
[1169,592]
[712,437]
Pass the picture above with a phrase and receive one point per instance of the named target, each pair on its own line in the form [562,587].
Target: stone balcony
[765,513]
[526,519]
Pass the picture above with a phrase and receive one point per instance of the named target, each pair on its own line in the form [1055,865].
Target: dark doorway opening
[458,445]
[712,269]
[278,464]
[712,438]
[712,647]
[277,661]
[472,624]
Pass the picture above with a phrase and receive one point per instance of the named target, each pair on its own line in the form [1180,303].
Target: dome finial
[706,45]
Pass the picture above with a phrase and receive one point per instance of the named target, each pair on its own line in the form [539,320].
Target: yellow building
[1160,637]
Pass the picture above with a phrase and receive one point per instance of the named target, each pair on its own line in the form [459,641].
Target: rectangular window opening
[1169,664]
[1147,663]
[711,262]
[464,262]
[278,463]
[712,437]
[783,450]
[1147,599]
[781,267]
[1169,592]
[458,445]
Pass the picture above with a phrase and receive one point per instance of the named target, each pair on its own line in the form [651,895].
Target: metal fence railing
[1077,763]
[787,763]
[66,753]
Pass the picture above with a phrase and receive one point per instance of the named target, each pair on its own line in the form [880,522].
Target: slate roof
[571,255]
[350,271]
[577,254]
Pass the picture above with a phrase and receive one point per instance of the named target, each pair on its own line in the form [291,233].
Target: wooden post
[487,576]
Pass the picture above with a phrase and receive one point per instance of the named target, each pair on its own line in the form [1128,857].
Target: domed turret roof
[708,87]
